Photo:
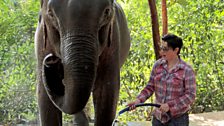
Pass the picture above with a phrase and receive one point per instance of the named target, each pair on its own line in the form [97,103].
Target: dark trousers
[179,121]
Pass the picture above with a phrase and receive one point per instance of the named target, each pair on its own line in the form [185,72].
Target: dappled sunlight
[207,119]
[202,119]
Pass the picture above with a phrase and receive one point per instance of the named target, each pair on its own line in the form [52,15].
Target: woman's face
[167,52]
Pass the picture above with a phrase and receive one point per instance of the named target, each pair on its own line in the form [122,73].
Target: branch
[164,17]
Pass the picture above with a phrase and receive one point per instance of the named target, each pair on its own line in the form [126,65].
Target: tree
[17,66]
[164,17]
[155,27]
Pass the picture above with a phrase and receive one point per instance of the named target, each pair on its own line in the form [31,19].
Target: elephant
[80,46]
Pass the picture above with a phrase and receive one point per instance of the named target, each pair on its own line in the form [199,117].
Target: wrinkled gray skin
[80,48]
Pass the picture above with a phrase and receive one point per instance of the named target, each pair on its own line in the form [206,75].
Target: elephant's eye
[50,13]
[52,18]
[107,14]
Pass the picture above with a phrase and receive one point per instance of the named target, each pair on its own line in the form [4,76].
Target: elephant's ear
[105,34]
[110,33]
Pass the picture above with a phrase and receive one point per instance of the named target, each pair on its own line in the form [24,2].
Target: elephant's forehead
[79,7]
[80,4]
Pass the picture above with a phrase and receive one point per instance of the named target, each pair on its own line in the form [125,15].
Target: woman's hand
[164,108]
[133,103]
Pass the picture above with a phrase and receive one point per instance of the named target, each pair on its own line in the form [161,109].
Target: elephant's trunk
[79,62]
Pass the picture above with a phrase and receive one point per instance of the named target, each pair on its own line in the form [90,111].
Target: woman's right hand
[133,103]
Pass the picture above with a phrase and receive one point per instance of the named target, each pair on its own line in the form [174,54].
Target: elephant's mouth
[69,90]
[54,74]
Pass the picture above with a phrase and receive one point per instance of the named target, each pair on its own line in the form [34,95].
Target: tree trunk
[155,27]
[164,17]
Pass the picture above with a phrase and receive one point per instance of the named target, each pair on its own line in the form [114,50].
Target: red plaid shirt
[177,88]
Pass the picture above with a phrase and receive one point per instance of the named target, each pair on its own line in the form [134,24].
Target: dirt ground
[207,119]
[202,119]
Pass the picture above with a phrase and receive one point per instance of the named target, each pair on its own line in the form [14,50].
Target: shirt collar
[180,65]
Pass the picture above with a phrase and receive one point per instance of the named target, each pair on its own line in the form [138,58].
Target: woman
[173,82]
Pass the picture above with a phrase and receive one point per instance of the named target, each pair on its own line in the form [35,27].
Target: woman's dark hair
[173,41]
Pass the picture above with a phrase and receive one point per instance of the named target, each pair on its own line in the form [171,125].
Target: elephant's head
[75,33]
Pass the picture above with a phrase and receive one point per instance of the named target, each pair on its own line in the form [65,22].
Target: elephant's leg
[80,119]
[49,114]
[106,92]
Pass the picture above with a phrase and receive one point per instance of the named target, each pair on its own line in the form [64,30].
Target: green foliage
[199,23]
[136,70]
[17,69]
